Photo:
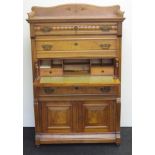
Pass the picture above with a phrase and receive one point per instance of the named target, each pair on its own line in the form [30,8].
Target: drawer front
[105,90]
[67,29]
[102,70]
[51,72]
[78,54]
[76,45]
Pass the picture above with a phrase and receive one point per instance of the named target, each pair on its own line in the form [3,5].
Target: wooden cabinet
[76,62]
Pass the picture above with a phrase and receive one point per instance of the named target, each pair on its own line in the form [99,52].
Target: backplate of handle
[49,90]
[46,29]
[105,28]
[105,89]
[105,46]
[47,47]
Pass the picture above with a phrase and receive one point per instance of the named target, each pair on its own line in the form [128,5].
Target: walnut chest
[76,62]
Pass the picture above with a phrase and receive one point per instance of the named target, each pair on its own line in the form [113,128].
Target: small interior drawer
[106,70]
[51,71]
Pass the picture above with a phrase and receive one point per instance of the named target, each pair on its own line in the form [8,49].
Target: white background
[11,78]
[126,113]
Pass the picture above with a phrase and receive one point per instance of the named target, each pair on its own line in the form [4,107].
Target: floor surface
[77,149]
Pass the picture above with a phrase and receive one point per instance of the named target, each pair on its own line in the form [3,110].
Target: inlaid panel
[71,28]
[57,117]
[98,116]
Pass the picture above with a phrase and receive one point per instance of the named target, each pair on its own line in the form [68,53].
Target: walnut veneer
[76,62]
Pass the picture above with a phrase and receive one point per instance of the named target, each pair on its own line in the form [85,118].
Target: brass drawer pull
[46,29]
[105,46]
[105,89]
[105,28]
[49,90]
[47,47]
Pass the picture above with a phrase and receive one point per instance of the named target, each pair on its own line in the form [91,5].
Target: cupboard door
[57,116]
[97,116]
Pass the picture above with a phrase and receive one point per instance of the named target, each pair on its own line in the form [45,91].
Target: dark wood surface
[76,63]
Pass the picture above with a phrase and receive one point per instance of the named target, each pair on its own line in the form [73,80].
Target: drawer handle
[105,28]
[105,89]
[47,47]
[105,46]
[46,29]
[49,90]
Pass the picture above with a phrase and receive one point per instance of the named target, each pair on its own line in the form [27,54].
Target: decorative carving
[36,69]
[76,11]
[118,100]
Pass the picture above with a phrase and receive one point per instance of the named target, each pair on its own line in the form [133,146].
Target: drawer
[51,71]
[105,90]
[108,70]
[76,44]
[70,28]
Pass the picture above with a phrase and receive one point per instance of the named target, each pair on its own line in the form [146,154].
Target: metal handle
[105,46]
[49,90]
[46,29]
[105,89]
[105,28]
[47,47]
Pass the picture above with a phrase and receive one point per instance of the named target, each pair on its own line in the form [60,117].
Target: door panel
[97,116]
[57,116]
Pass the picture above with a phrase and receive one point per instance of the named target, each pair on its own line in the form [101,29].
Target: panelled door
[57,117]
[78,116]
[97,116]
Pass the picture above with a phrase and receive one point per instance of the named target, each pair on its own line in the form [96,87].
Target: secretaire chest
[76,62]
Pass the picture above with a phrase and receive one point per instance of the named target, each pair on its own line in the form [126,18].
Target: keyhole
[75,28]
[75,44]
[76,88]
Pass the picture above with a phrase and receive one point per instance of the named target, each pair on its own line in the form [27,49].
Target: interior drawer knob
[105,89]
[49,90]
[47,47]
[105,46]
